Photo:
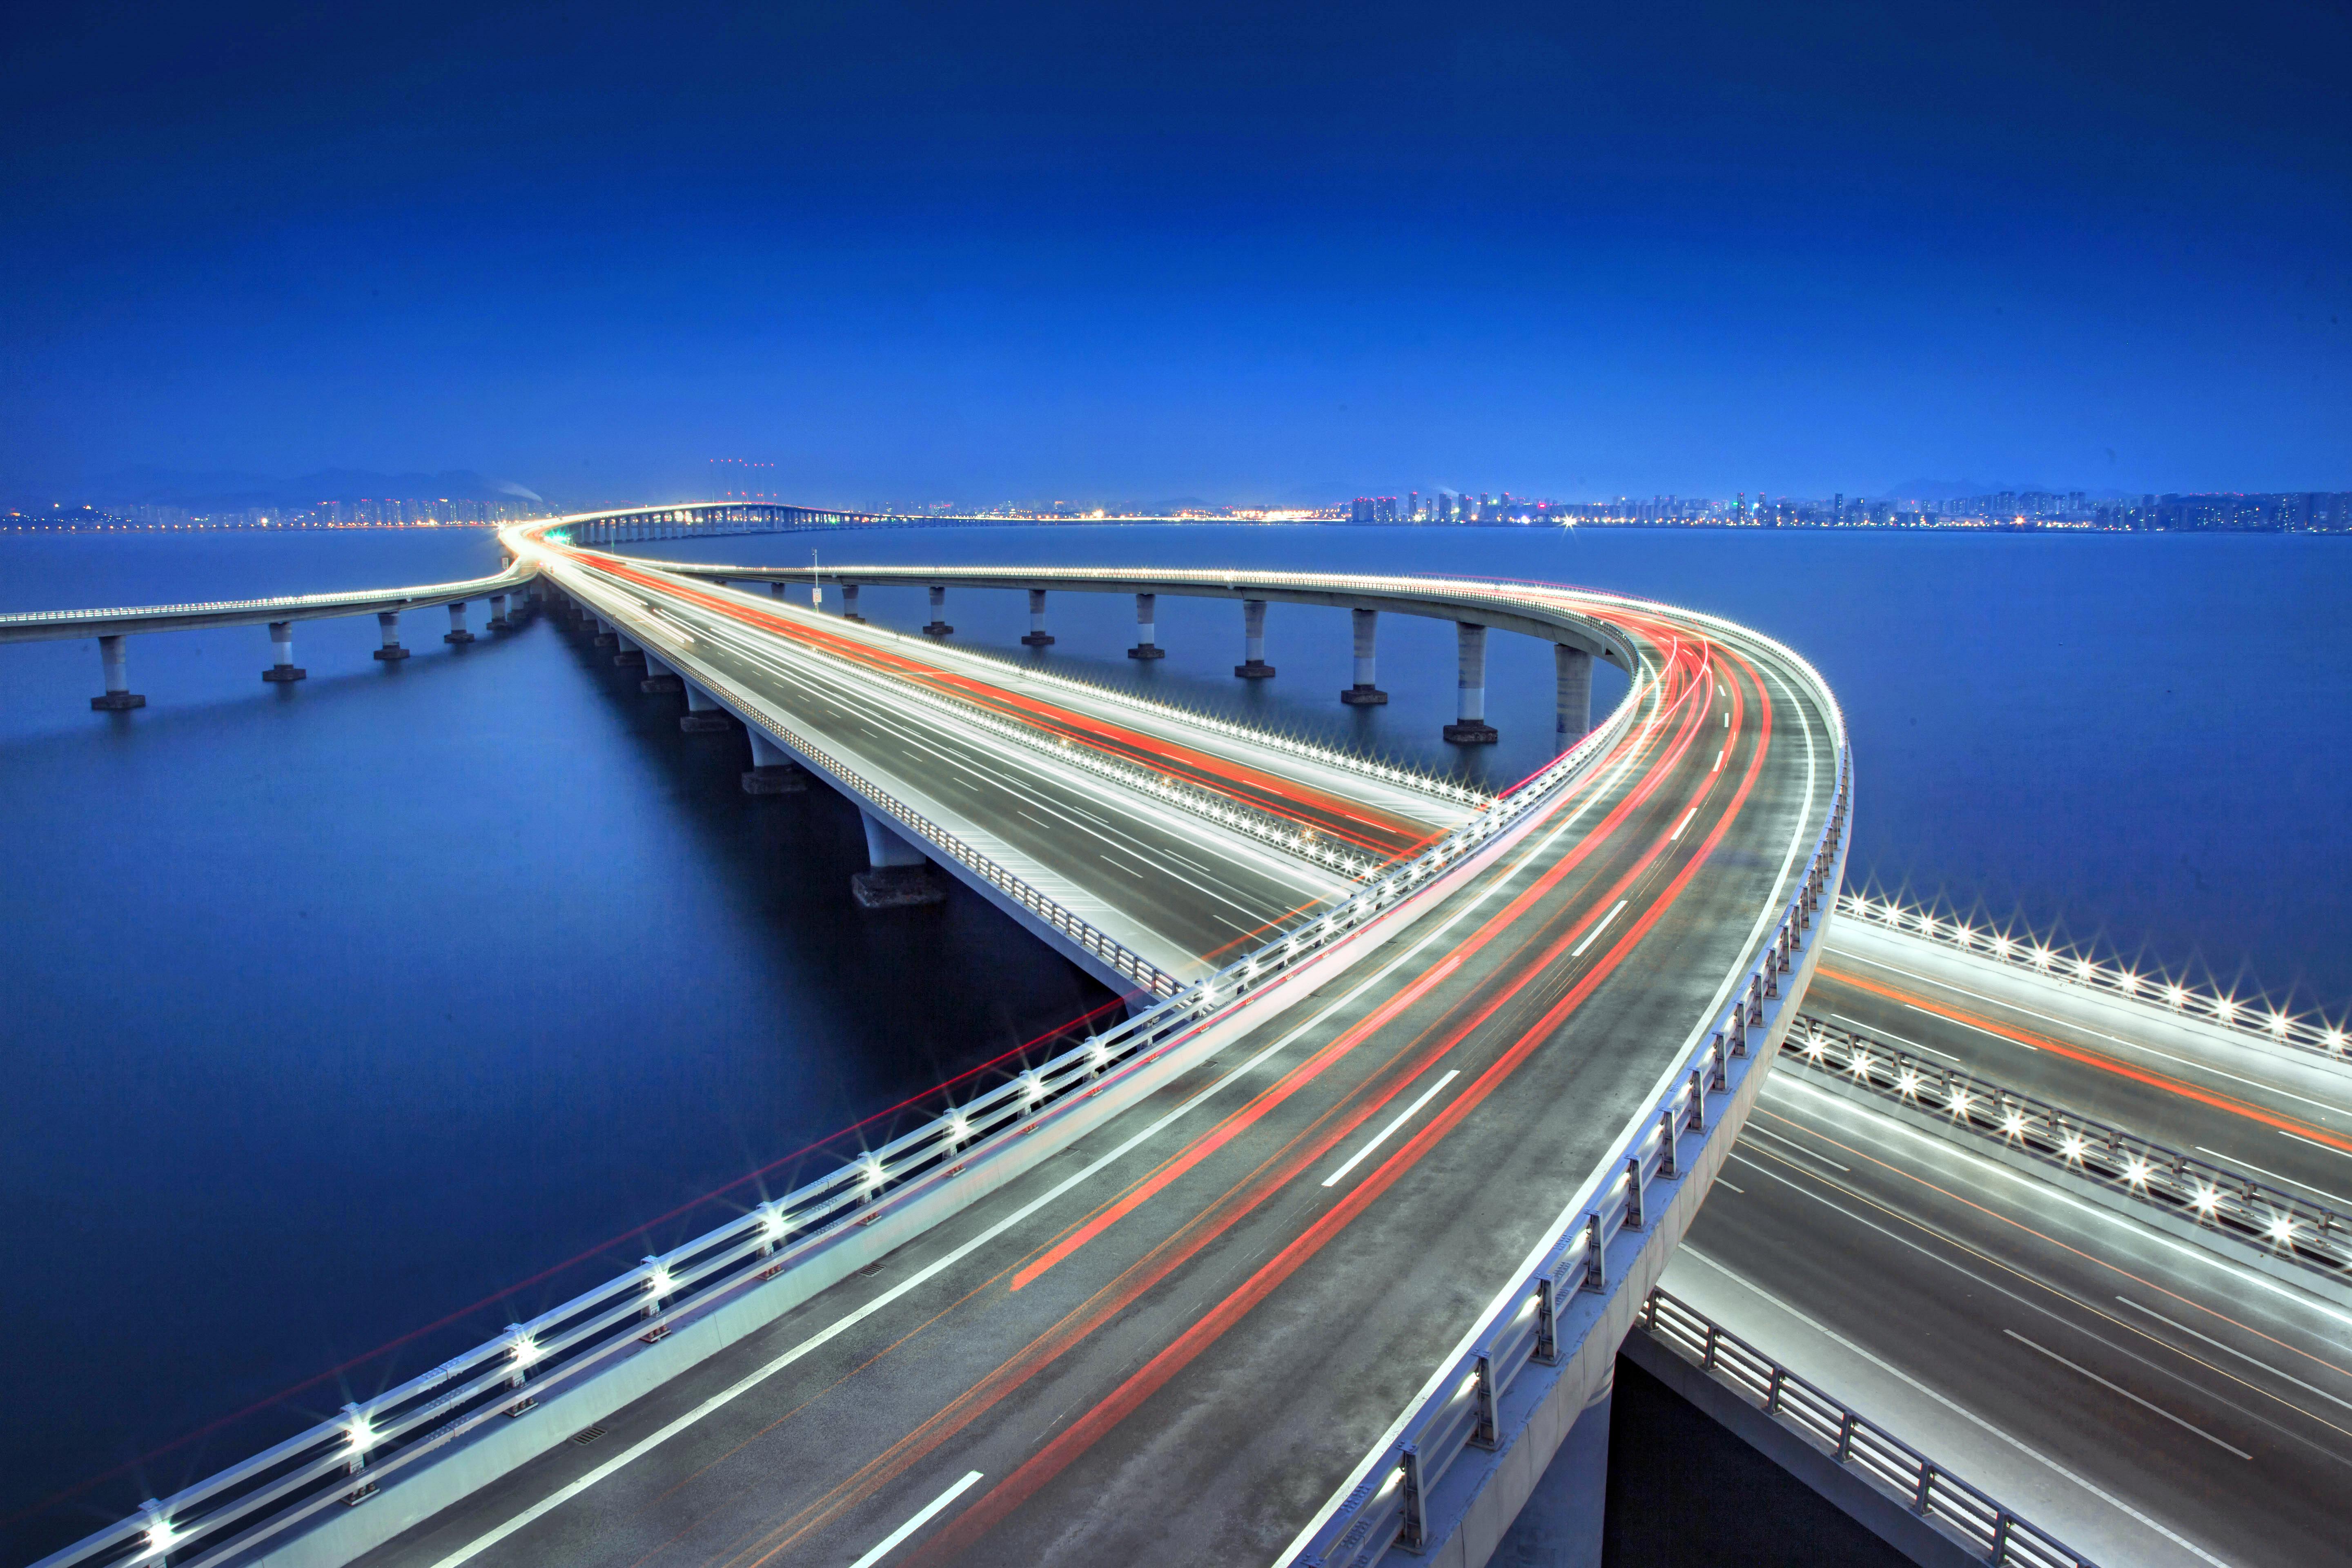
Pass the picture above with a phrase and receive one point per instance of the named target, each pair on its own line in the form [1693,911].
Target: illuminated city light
[2136,1171]
[2280,1229]
[1962,1102]
[2205,1199]
[2176,996]
[2012,1122]
[2071,1146]
[358,1433]
[1906,1083]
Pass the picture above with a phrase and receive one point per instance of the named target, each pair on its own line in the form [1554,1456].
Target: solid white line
[1876,1033]
[2236,1164]
[1404,1116]
[1791,1142]
[1718,764]
[1997,1035]
[2315,1143]
[916,1524]
[1721,1182]
[2128,1393]
[1678,833]
[1687,1250]
[2235,1351]
[1577,951]
[1726,720]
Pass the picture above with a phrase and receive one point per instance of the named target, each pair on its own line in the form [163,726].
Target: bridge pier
[457,632]
[388,621]
[1559,1525]
[1366,692]
[849,604]
[1572,674]
[702,716]
[1147,628]
[1039,636]
[659,677]
[1471,729]
[1253,666]
[281,647]
[498,622]
[118,697]
[939,626]
[897,874]
[772,769]
[631,655]
[605,635]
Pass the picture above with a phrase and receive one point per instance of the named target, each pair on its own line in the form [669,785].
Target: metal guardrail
[1388,1507]
[343,1461]
[1854,1441]
[2213,1195]
[2068,967]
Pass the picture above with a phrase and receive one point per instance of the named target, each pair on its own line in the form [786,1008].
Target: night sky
[1131,249]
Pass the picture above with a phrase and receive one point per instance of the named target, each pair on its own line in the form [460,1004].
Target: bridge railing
[1456,1410]
[344,1460]
[1854,1440]
[2210,1195]
[2047,961]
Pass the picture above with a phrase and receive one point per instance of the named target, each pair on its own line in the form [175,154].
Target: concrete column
[1253,666]
[1559,1525]
[939,626]
[1472,729]
[659,677]
[849,603]
[1572,674]
[1147,628]
[1366,692]
[703,716]
[776,590]
[897,874]
[631,655]
[117,665]
[281,647]
[498,621]
[772,769]
[606,636]
[1039,636]
[389,622]
[457,632]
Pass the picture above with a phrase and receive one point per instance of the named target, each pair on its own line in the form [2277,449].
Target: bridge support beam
[1471,728]
[498,622]
[1560,1522]
[1147,628]
[849,604]
[1253,666]
[631,655]
[702,716]
[773,770]
[1572,674]
[939,626]
[659,677]
[388,622]
[457,632]
[281,649]
[1039,636]
[1366,692]
[898,875]
[118,697]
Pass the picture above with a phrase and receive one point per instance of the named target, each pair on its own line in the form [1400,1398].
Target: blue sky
[913,252]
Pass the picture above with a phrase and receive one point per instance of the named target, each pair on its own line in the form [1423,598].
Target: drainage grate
[588,1436]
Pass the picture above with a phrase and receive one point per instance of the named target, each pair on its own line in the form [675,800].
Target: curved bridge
[1326,1250]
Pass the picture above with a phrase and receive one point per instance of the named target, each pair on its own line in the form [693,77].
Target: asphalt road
[2210,1400]
[1175,1340]
[2271,1114]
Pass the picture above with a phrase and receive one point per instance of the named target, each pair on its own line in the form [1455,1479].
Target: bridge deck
[1175,1340]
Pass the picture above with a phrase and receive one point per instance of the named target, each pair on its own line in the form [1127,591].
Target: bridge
[1325,1252]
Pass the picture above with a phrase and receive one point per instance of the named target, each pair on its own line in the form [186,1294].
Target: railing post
[1596,1262]
[1410,1530]
[1546,1349]
[1772,1391]
[1485,1434]
[1846,1437]
[1697,1100]
[1926,1487]
[1634,1219]
[1667,1168]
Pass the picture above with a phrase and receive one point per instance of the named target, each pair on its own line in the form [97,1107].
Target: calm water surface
[337,1009]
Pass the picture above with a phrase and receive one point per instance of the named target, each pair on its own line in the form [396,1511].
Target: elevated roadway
[1446,1100]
